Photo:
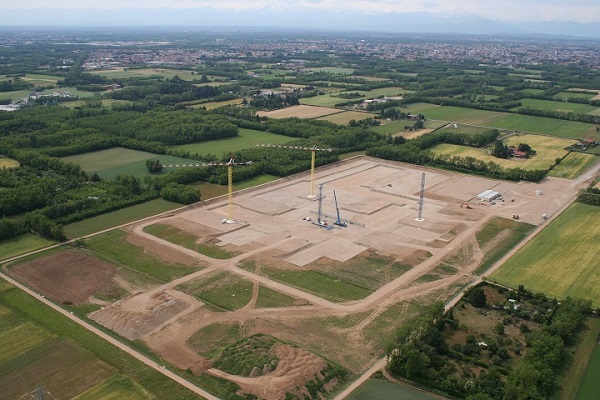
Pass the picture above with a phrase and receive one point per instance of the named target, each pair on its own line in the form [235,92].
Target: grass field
[573,165]
[215,104]
[512,233]
[117,387]
[114,248]
[213,337]
[211,190]
[223,290]
[380,389]
[246,139]
[580,360]
[71,360]
[318,283]
[547,148]
[329,100]
[344,118]
[118,160]
[590,386]
[560,261]
[525,123]
[464,129]
[14,95]
[22,244]
[118,217]
[563,106]
[570,95]
[121,72]
[269,298]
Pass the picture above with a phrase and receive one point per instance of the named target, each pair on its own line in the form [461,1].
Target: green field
[571,95]
[560,261]
[500,120]
[211,190]
[161,72]
[223,290]
[464,129]
[118,160]
[590,386]
[215,104]
[586,346]
[246,139]
[547,148]
[563,106]
[319,284]
[330,100]
[118,217]
[15,95]
[269,298]
[22,244]
[345,117]
[379,389]
[117,387]
[573,165]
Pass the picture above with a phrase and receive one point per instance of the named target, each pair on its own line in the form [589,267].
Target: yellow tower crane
[230,164]
[313,151]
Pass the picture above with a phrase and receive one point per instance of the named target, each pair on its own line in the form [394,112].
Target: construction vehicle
[338,221]
[466,205]
[515,216]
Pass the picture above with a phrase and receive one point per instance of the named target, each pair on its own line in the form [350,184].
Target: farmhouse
[488,195]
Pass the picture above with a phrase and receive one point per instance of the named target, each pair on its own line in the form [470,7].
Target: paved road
[152,364]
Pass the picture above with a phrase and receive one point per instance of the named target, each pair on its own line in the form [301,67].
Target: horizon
[507,17]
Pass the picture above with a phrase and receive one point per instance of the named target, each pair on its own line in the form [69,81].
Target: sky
[506,10]
[565,17]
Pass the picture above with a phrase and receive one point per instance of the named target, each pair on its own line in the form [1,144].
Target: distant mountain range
[299,19]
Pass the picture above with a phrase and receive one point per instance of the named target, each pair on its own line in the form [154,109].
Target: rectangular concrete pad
[335,248]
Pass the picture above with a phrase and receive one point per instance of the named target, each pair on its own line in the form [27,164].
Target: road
[150,363]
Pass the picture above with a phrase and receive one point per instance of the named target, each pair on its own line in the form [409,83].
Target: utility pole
[420,217]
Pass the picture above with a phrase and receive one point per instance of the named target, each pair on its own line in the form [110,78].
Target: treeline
[589,196]
[416,151]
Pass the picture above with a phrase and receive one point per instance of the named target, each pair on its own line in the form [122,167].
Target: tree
[501,150]
[154,166]
[476,296]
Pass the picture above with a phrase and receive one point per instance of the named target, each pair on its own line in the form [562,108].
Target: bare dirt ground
[301,111]
[380,201]
[67,276]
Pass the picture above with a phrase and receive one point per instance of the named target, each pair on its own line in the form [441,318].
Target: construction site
[326,264]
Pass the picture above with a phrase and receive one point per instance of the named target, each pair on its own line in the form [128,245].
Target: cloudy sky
[508,10]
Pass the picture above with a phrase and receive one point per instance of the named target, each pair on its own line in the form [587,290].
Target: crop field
[118,217]
[331,99]
[121,72]
[216,104]
[573,165]
[380,389]
[14,95]
[301,111]
[116,161]
[590,386]
[66,359]
[246,139]
[548,149]
[586,345]
[560,261]
[525,123]
[464,129]
[345,117]
[22,244]
[570,95]
[562,106]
